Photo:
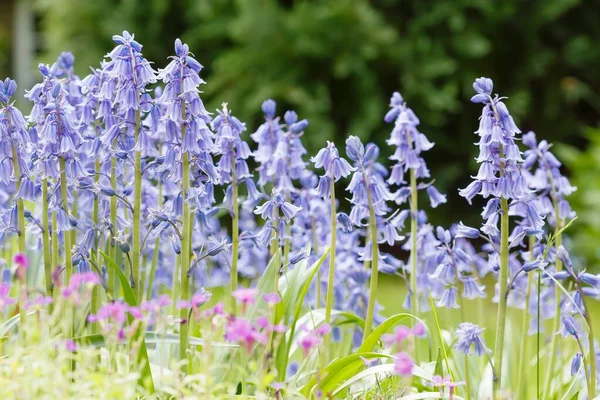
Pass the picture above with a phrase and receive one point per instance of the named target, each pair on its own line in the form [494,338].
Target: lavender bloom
[499,157]
[468,335]
[335,167]
[279,213]
[280,151]
[410,143]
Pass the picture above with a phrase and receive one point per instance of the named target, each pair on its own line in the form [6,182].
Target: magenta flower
[401,333]
[246,295]
[419,330]
[196,301]
[446,381]
[70,345]
[21,260]
[323,329]
[155,305]
[272,298]
[309,342]
[39,301]
[403,365]
[243,332]
[4,292]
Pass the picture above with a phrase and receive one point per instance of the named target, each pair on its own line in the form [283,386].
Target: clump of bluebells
[143,238]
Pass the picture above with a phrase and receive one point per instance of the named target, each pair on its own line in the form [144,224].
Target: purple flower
[469,335]
[309,342]
[5,300]
[403,364]
[242,331]
[272,298]
[246,295]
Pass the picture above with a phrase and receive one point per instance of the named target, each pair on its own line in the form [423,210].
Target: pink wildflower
[403,365]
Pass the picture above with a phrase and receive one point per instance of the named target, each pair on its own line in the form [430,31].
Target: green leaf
[376,370]
[429,395]
[439,368]
[371,340]
[265,284]
[339,371]
[142,358]
[12,322]
[284,351]
[314,318]
[152,337]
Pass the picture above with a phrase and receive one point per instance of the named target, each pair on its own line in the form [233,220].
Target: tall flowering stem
[186,248]
[20,205]
[414,304]
[500,176]
[235,233]
[233,169]
[502,285]
[46,238]
[374,267]
[335,168]
[525,322]
[410,145]
[137,210]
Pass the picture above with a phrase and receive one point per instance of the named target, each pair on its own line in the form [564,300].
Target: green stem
[461,304]
[235,231]
[20,206]
[522,389]
[331,278]
[137,211]
[65,205]
[55,257]
[112,275]
[185,249]
[316,252]
[591,359]
[502,282]
[67,242]
[97,292]
[557,297]
[440,338]
[374,262]
[46,238]
[413,244]
[156,251]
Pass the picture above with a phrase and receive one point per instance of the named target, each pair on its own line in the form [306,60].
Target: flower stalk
[137,212]
[235,231]
[502,284]
[374,261]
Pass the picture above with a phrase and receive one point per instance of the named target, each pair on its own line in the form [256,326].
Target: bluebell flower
[469,335]
[576,363]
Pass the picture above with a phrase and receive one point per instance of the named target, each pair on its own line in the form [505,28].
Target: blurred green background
[337,63]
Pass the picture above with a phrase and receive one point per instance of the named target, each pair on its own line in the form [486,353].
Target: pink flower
[4,292]
[136,312]
[263,322]
[38,302]
[446,381]
[419,330]
[242,331]
[246,295]
[403,365]
[309,342]
[196,301]
[21,260]
[323,329]
[401,333]
[272,298]
[70,345]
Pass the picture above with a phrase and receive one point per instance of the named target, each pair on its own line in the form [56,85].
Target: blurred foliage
[585,174]
[337,62]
